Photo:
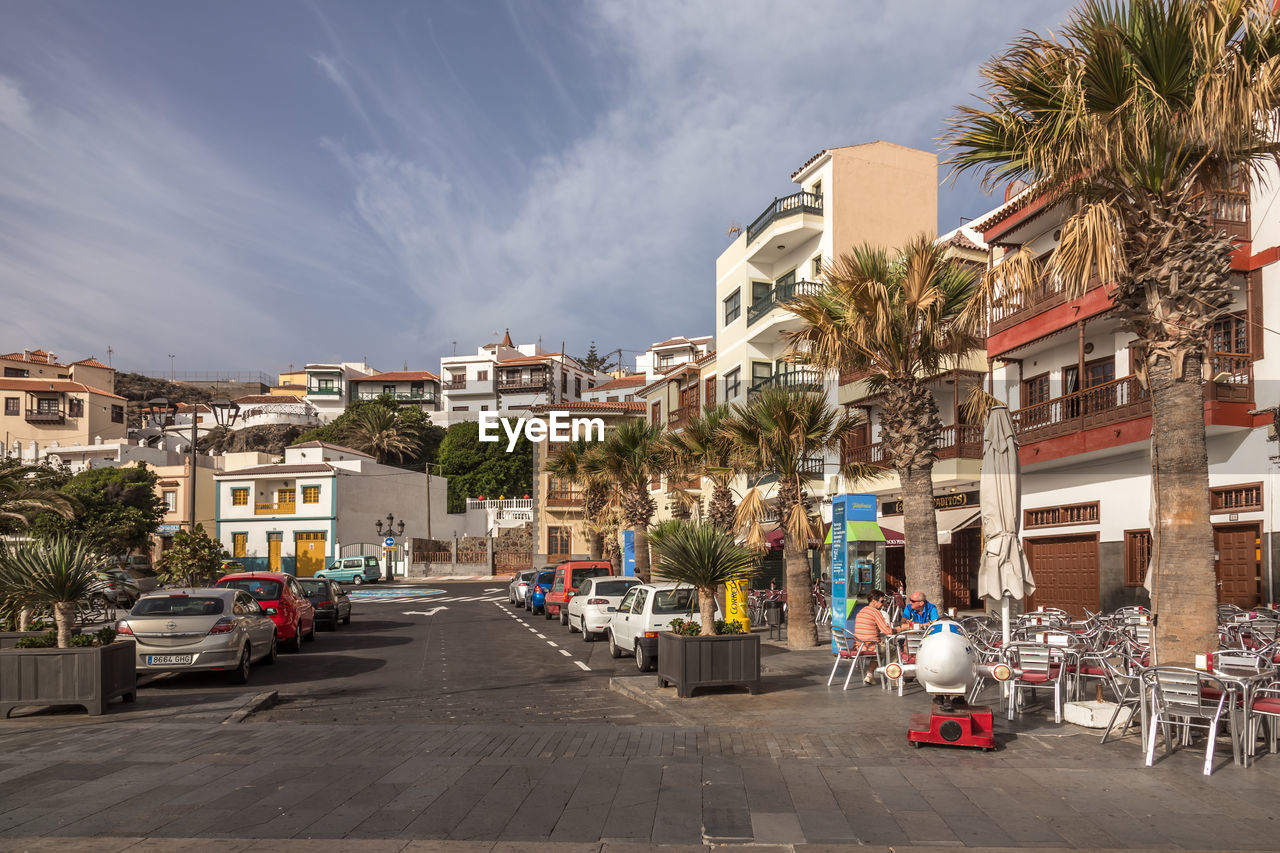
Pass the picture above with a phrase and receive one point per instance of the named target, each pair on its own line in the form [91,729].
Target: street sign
[389,542]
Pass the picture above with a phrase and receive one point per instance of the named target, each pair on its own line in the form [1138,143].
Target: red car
[569,576]
[285,602]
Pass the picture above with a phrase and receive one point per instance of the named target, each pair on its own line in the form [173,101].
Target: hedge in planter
[88,676]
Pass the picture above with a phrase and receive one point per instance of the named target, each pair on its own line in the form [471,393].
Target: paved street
[479,724]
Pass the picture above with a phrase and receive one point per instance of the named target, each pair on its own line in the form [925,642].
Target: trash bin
[773,616]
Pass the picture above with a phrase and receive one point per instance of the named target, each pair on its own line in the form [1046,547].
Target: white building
[662,356]
[419,388]
[321,502]
[329,386]
[275,410]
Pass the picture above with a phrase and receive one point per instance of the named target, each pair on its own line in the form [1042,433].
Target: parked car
[139,569]
[117,587]
[519,586]
[355,570]
[284,601]
[200,629]
[536,600]
[645,610]
[231,567]
[329,599]
[588,612]
[569,576]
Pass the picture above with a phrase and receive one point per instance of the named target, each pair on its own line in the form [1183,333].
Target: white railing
[508,503]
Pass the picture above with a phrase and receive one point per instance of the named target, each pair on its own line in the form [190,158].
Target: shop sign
[957,500]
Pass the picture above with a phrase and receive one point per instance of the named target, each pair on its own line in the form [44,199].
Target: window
[577,386]
[1062,516]
[1231,334]
[286,496]
[325,384]
[484,408]
[75,407]
[47,405]
[711,391]
[558,542]
[416,389]
[656,414]
[733,306]
[816,267]
[1246,497]
[817,188]
[117,414]
[1137,554]
[761,372]
[461,408]
[733,383]
[311,494]
[564,383]
[388,389]
[482,375]
[170,500]
[1035,390]
[239,541]
[239,497]
[761,292]
[16,372]
[11,406]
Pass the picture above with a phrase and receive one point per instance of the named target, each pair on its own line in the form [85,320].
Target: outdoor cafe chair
[1264,707]
[1184,699]
[907,646]
[858,652]
[1127,687]
[1035,666]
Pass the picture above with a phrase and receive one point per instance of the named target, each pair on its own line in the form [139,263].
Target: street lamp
[392,530]
[224,414]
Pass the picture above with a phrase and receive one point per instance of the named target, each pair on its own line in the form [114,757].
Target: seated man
[869,626]
[919,611]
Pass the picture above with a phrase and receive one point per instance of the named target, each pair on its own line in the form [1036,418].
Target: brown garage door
[1239,568]
[1065,569]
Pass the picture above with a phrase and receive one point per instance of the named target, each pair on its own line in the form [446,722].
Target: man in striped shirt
[869,626]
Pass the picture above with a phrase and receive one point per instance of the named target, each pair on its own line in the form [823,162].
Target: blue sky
[248,185]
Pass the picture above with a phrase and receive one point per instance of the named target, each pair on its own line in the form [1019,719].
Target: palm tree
[379,431]
[701,449]
[57,572]
[702,555]
[568,463]
[628,460]
[898,320]
[1133,117]
[785,433]
[24,494]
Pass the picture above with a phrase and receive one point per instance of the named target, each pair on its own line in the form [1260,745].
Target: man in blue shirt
[919,610]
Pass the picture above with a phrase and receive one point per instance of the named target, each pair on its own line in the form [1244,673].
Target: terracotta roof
[329,446]
[199,407]
[290,385]
[674,341]
[92,362]
[37,385]
[255,399]
[706,359]
[585,406]
[314,468]
[808,163]
[399,376]
[35,356]
[1004,211]
[625,382]
[506,340]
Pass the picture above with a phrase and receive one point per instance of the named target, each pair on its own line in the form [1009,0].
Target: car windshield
[545,578]
[579,575]
[675,600]
[262,590]
[612,587]
[177,605]
[314,587]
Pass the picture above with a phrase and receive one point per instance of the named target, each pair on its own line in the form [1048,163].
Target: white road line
[552,643]
[539,636]
[582,666]
[565,653]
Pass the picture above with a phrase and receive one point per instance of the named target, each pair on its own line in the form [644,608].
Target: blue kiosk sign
[848,512]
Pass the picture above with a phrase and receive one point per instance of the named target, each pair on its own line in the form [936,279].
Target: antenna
[109,352]
[455,347]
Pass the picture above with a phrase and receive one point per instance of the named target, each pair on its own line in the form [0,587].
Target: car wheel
[587,636]
[311,635]
[240,674]
[564,617]
[614,651]
[273,653]
[357,580]
[295,643]
[642,658]
[546,613]
[569,623]
[346,620]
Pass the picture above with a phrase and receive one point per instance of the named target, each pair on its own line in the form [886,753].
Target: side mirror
[611,610]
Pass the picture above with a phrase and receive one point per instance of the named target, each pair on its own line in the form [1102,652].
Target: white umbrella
[1004,572]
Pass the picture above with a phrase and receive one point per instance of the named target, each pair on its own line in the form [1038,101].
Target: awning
[860,531]
[951,520]
[892,538]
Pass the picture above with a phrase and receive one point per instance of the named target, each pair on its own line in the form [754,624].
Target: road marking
[494,589]
[539,636]
[552,644]
[432,612]
[565,653]
[582,666]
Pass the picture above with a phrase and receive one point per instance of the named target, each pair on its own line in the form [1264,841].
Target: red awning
[773,539]
[892,538]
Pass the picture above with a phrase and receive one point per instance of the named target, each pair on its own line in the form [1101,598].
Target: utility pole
[428,467]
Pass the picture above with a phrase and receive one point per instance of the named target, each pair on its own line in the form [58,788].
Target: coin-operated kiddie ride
[947,665]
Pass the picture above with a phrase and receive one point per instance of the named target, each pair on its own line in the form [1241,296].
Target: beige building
[676,396]
[39,364]
[42,413]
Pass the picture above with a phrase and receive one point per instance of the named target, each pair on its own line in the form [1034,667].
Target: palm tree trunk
[802,632]
[707,610]
[24,619]
[642,551]
[597,545]
[1184,589]
[920,529]
[64,615]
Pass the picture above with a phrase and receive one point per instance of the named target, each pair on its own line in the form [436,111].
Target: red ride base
[967,726]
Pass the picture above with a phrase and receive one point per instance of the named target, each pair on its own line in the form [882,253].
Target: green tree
[475,468]
[57,572]
[568,462]
[899,320]
[594,361]
[116,510]
[28,490]
[701,449]
[194,559]
[382,421]
[1133,118]
[629,459]
[704,556]
[379,432]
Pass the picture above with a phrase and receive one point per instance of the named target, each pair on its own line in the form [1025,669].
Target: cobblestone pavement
[499,737]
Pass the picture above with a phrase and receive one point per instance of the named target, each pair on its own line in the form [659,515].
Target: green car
[355,570]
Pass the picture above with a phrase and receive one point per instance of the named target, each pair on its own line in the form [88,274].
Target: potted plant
[87,670]
[717,652]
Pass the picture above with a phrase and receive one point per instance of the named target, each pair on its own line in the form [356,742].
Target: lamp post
[391,531]
[224,414]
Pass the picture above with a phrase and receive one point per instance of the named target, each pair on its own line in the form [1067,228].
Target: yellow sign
[735,604]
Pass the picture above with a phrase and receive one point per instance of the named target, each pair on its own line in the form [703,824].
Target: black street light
[161,413]
[392,529]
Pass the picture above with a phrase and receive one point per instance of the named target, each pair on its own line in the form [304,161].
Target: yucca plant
[700,554]
[58,573]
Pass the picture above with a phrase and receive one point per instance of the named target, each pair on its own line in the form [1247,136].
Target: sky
[247,185]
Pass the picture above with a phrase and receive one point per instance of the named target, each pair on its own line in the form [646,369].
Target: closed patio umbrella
[1004,572]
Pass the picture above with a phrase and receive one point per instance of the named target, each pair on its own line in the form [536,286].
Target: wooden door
[1065,569]
[1239,564]
[310,550]
[959,569]
[273,551]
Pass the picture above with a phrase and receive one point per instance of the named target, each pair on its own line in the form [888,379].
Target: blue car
[354,570]
[536,600]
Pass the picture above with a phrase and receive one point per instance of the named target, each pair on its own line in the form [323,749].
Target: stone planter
[88,677]
[691,662]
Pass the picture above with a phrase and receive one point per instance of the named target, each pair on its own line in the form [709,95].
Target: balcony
[958,441]
[777,296]
[465,386]
[324,392]
[681,416]
[802,378]
[427,395]
[261,508]
[532,382]
[565,498]
[1229,211]
[35,416]
[780,208]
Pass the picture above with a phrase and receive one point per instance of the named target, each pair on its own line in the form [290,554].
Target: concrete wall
[882,194]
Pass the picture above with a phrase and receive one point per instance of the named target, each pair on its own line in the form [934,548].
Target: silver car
[519,586]
[176,630]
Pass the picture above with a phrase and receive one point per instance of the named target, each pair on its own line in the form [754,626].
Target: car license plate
[158,660]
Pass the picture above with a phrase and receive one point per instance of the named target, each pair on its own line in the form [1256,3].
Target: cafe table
[1240,683]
